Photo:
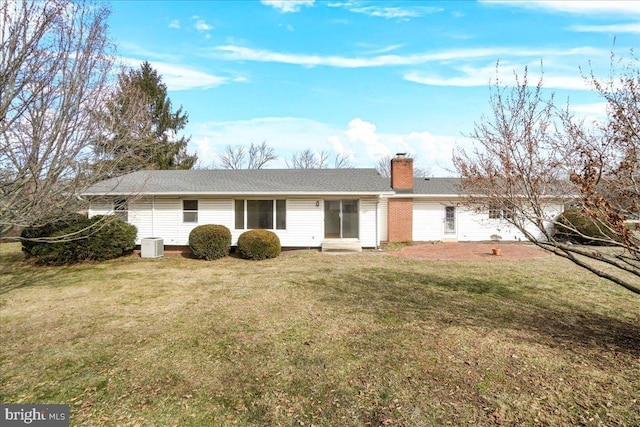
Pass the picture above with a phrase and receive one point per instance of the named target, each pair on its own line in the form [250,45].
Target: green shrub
[30,236]
[259,244]
[80,239]
[590,228]
[210,241]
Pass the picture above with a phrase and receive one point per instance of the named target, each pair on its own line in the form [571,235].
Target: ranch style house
[306,208]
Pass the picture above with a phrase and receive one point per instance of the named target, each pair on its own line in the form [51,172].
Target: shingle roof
[436,186]
[246,181]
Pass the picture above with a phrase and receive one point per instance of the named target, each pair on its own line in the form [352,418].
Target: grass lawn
[312,339]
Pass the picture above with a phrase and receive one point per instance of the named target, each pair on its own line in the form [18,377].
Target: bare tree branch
[260,155]
[257,156]
[531,155]
[55,75]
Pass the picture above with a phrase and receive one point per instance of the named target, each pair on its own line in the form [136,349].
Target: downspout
[377,223]
[153,216]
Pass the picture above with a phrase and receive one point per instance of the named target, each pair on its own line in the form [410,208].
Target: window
[495,212]
[121,209]
[239,207]
[190,211]
[260,214]
[281,214]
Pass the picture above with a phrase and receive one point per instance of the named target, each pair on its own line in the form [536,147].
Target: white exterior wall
[100,207]
[428,223]
[162,217]
[383,215]
[140,215]
[305,224]
[368,223]
[428,220]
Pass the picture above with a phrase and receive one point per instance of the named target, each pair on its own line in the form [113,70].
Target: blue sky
[363,78]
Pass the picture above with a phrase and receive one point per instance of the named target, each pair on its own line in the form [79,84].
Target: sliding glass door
[341,219]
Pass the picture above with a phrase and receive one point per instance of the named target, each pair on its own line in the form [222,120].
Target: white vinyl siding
[428,221]
[368,223]
[383,215]
[471,225]
[140,215]
[163,217]
[305,225]
[100,207]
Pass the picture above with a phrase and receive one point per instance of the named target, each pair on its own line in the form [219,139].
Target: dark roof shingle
[245,181]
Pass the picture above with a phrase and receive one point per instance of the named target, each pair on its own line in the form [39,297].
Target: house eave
[238,193]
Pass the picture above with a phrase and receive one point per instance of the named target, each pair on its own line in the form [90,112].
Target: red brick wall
[402,173]
[400,220]
[400,215]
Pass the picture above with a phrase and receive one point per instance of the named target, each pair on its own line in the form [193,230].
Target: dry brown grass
[313,339]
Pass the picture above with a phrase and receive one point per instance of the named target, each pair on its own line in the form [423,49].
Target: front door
[341,219]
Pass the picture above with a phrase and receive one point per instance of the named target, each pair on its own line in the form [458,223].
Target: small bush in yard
[210,241]
[80,239]
[259,244]
[590,228]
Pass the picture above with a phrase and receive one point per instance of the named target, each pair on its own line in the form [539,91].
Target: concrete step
[341,245]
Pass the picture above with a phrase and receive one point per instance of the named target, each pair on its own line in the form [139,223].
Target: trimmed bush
[575,219]
[210,241]
[259,244]
[80,239]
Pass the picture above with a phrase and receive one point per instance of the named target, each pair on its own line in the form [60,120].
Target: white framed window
[190,211]
[266,214]
[121,209]
[496,212]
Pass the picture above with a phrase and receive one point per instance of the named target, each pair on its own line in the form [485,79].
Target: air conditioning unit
[152,247]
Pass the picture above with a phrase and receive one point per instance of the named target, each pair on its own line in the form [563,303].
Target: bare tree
[531,154]
[260,155]
[309,159]
[257,156]
[55,63]
[384,167]
[342,161]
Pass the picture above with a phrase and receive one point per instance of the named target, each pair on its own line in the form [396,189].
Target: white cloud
[591,113]
[174,24]
[241,53]
[359,139]
[374,50]
[286,6]
[285,134]
[387,12]
[201,25]
[432,151]
[469,76]
[610,7]
[180,77]
[468,80]
[614,28]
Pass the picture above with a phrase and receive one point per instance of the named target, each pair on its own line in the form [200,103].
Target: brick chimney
[402,172]
[400,209]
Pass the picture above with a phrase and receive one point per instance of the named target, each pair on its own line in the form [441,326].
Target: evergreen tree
[150,136]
